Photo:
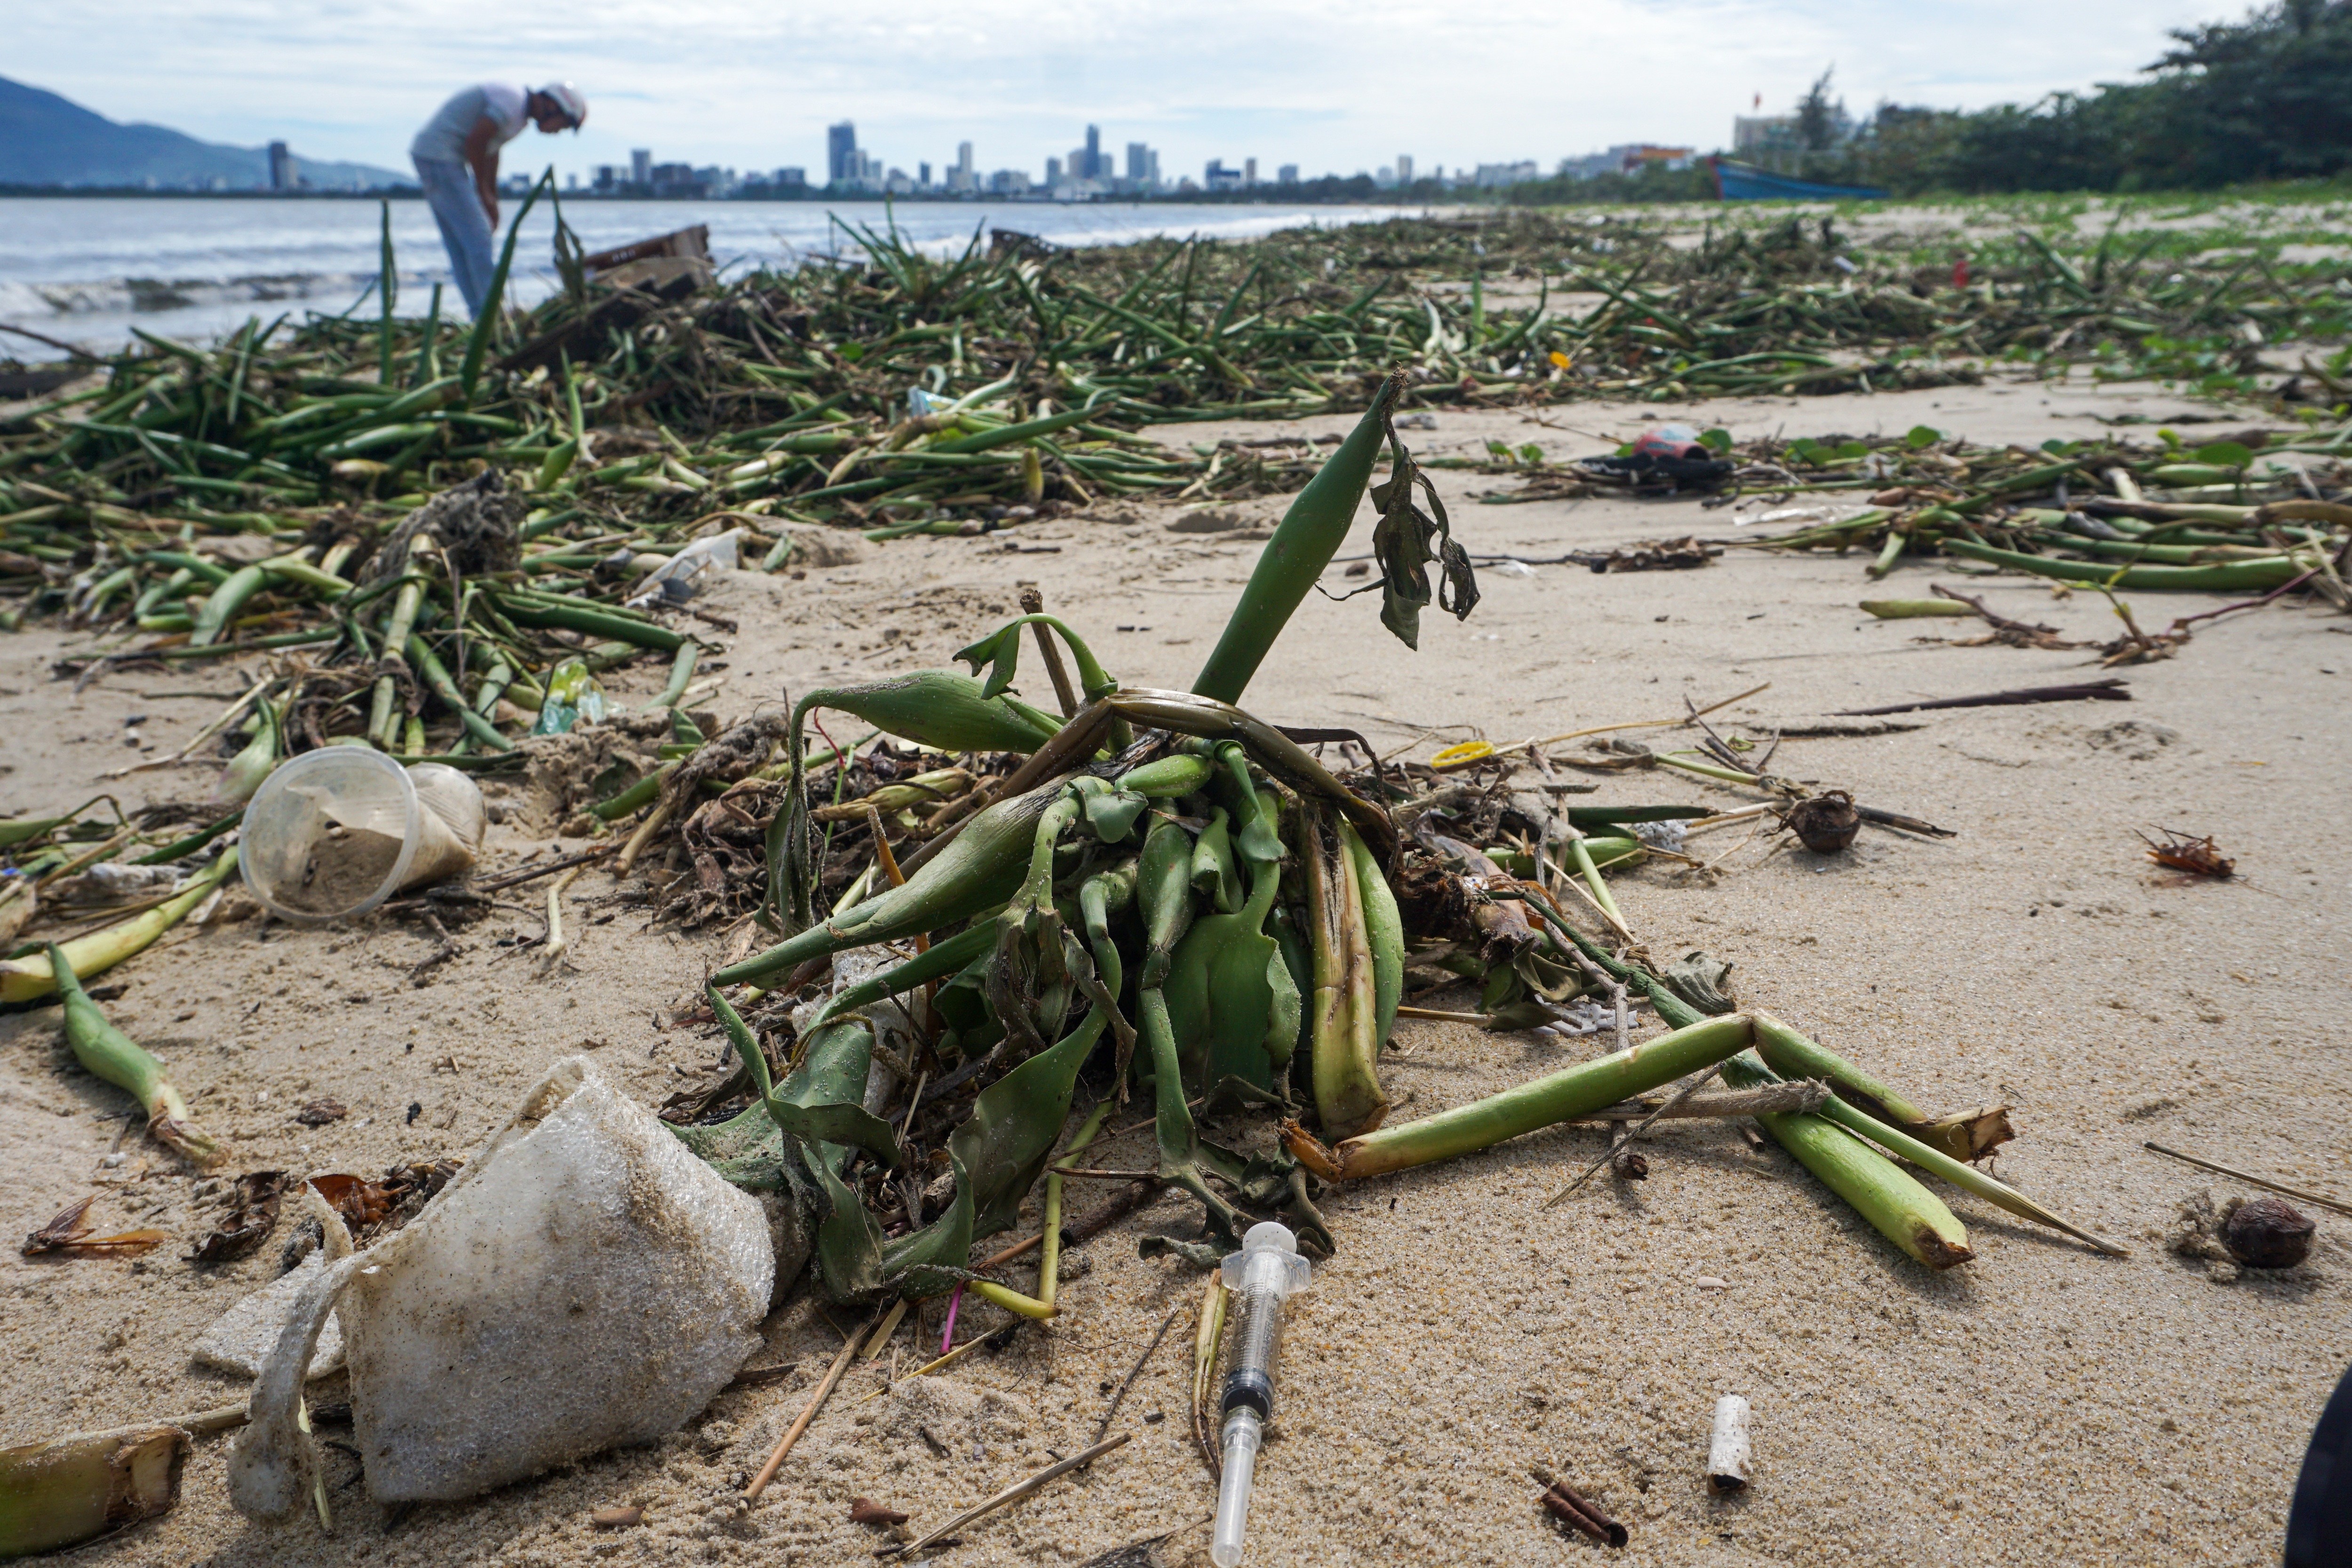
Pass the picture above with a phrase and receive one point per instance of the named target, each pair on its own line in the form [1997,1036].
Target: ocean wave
[24,301]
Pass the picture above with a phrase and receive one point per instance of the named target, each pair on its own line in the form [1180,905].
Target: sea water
[84,269]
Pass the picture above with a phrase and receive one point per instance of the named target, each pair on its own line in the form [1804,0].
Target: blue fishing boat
[1737,182]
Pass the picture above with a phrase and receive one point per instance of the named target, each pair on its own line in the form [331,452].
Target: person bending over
[457,159]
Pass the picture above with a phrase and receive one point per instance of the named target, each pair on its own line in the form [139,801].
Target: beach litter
[977,909]
[1730,1455]
[582,1210]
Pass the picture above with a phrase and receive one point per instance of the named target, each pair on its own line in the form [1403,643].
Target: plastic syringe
[1261,1275]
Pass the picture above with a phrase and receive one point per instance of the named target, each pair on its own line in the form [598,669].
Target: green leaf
[2225,454]
[1532,455]
[999,649]
[1717,441]
[1922,436]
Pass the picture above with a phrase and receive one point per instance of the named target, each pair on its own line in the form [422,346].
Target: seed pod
[1163,893]
[2267,1233]
[1826,823]
[1166,777]
[939,710]
[976,873]
[1215,876]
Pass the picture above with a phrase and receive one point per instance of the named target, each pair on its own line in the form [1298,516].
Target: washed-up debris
[2241,1233]
[254,1202]
[1826,823]
[2266,1232]
[1572,1509]
[2111,690]
[30,978]
[582,1210]
[70,1489]
[2183,852]
[1729,1456]
[107,1052]
[1266,1273]
[336,831]
[65,1235]
[1684,554]
[865,1511]
[621,1518]
[1010,1494]
[242,1339]
[2334,1204]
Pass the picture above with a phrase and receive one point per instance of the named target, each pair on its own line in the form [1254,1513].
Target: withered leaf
[254,1215]
[318,1112]
[865,1511]
[66,1233]
[1402,544]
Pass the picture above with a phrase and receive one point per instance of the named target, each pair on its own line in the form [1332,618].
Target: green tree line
[2268,96]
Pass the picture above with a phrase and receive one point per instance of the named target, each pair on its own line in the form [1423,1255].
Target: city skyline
[720,82]
[1088,171]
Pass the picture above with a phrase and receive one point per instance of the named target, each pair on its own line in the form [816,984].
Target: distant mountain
[46,140]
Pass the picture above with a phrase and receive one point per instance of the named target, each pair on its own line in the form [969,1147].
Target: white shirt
[444,136]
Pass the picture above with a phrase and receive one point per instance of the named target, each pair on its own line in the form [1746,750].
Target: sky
[1335,86]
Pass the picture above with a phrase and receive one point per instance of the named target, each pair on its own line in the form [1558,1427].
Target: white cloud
[1327,85]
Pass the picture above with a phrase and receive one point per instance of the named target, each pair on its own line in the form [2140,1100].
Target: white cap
[569,99]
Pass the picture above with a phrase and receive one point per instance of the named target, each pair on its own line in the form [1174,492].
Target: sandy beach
[2042,1404]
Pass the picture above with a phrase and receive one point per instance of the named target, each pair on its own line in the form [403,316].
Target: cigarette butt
[1727,1452]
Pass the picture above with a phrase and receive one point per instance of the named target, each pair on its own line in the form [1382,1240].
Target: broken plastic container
[584,1282]
[336,831]
[678,579]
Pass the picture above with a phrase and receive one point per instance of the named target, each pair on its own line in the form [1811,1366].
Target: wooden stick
[532,873]
[1034,603]
[808,1413]
[1440,1016]
[1012,1493]
[1135,1371]
[1679,1098]
[2336,1204]
[1629,724]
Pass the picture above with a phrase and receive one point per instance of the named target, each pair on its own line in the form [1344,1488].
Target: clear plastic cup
[334,832]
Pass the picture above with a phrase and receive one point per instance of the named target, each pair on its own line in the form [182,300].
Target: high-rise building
[923,175]
[285,172]
[796,178]
[841,161]
[1094,169]
[1249,171]
[641,166]
[1404,169]
[1287,174]
[1053,171]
